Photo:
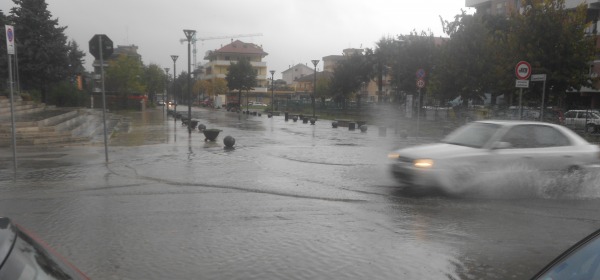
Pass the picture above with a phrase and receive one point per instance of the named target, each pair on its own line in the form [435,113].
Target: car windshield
[474,135]
[299,139]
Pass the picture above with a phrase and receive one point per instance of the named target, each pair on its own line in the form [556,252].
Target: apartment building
[219,61]
[296,72]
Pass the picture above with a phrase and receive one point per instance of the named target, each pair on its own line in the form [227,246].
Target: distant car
[24,256]
[583,119]
[487,146]
[161,103]
[581,261]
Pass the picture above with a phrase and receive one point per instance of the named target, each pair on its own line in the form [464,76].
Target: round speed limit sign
[523,70]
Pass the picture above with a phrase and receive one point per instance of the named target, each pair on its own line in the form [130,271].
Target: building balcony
[228,62]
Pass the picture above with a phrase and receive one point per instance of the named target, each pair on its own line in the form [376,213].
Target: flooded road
[291,201]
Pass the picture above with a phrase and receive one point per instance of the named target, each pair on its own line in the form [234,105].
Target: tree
[41,44]
[124,75]
[349,75]
[465,60]
[154,80]
[203,86]
[219,86]
[553,40]
[75,59]
[241,76]
[323,86]
[383,55]
[413,52]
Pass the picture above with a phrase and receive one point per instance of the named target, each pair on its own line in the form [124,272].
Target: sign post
[523,71]
[10,47]
[100,46]
[420,85]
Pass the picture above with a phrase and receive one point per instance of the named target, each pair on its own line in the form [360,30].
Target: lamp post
[166,90]
[314,62]
[174,58]
[188,35]
[272,91]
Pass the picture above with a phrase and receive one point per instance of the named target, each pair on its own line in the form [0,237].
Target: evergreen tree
[41,46]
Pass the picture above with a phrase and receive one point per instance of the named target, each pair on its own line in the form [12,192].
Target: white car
[490,146]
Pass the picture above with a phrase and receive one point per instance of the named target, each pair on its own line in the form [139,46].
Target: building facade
[296,72]
[219,61]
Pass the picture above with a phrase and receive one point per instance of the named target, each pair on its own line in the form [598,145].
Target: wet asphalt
[290,201]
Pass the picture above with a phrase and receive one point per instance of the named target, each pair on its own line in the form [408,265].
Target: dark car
[24,256]
[581,261]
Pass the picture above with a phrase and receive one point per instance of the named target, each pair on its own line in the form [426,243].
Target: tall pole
[103,98]
[174,58]
[12,114]
[314,62]
[166,89]
[189,34]
[272,91]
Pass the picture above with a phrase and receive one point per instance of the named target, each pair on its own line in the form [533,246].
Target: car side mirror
[501,145]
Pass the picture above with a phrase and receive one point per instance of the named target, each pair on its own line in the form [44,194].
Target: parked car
[24,256]
[588,120]
[581,261]
[552,115]
[485,146]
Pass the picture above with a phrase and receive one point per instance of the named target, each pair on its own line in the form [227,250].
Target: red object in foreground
[25,256]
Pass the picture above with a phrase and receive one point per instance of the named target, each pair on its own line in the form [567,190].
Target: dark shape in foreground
[581,261]
[24,256]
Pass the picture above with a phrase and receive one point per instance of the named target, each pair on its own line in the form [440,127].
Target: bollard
[229,141]
[312,121]
[270,115]
[363,128]
[334,124]
[351,126]
[286,116]
[304,120]
[295,118]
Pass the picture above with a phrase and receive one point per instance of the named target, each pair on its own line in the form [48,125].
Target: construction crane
[195,39]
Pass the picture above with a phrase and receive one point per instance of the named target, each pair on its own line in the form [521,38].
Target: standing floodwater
[291,201]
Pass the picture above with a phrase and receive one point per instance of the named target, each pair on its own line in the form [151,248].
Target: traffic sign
[420,83]
[420,74]
[538,77]
[107,46]
[522,83]
[10,39]
[523,70]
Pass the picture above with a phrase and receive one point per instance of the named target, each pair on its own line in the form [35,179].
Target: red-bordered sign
[420,83]
[523,70]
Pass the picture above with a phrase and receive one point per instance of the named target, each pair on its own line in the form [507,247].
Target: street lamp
[174,58]
[314,62]
[188,35]
[272,91]
[166,90]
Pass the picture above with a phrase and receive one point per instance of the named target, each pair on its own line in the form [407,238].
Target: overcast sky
[293,31]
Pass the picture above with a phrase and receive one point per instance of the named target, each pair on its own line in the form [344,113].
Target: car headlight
[423,163]
[393,155]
